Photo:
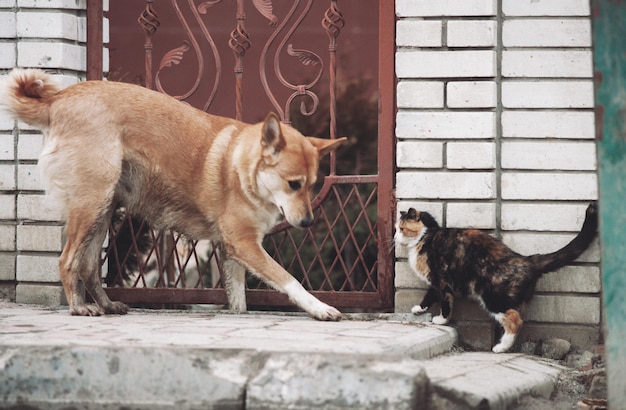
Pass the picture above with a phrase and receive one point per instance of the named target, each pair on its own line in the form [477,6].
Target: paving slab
[218,360]
[488,381]
[171,359]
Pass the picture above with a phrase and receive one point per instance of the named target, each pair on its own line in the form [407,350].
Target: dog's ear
[324,146]
[272,138]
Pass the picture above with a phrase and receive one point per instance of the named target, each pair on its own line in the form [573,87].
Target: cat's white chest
[415,266]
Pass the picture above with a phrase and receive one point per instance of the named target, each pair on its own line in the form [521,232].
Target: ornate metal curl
[306,57]
[149,22]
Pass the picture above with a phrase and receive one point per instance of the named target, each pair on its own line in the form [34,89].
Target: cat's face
[411,226]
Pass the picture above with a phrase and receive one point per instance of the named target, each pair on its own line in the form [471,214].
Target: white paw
[440,320]
[506,342]
[309,303]
[500,348]
[326,312]
[417,309]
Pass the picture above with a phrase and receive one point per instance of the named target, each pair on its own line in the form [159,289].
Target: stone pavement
[218,360]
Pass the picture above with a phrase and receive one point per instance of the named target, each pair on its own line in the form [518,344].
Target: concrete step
[217,360]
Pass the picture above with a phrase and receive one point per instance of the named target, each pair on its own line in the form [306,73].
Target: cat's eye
[295,185]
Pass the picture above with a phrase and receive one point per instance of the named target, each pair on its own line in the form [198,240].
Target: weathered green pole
[609,57]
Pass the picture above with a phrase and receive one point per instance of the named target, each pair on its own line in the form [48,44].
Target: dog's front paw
[417,310]
[328,313]
[85,310]
[116,308]
[440,320]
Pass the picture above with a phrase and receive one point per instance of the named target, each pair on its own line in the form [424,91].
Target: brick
[7,177]
[464,33]
[445,185]
[471,155]
[46,238]
[8,55]
[581,336]
[469,309]
[37,268]
[29,178]
[38,208]
[7,24]
[532,243]
[433,208]
[478,215]
[29,146]
[65,80]
[445,64]
[549,155]
[547,33]
[471,94]
[564,309]
[478,335]
[7,237]
[406,278]
[420,94]
[419,33]
[428,8]
[547,186]
[40,294]
[545,8]
[47,25]
[53,4]
[7,144]
[51,55]
[8,3]
[547,94]
[6,122]
[7,206]
[405,299]
[447,125]
[7,291]
[576,279]
[547,63]
[7,266]
[414,154]
[548,124]
[543,217]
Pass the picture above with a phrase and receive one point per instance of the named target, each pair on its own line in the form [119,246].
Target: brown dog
[208,177]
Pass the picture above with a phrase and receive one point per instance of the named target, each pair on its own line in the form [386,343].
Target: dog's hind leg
[235,277]
[85,231]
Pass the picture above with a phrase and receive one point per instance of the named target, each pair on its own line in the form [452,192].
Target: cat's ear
[412,213]
[428,220]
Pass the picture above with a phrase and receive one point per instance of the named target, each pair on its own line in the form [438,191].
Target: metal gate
[346,258]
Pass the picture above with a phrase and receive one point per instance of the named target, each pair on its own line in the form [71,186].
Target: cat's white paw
[506,342]
[417,310]
[440,320]
[500,348]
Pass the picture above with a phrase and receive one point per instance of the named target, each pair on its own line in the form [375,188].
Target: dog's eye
[295,185]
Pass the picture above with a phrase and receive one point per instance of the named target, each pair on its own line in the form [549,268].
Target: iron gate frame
[383,298]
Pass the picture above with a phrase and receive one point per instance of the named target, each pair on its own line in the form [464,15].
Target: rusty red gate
[346,258]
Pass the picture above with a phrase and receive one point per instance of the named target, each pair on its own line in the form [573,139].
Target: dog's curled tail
[26,95]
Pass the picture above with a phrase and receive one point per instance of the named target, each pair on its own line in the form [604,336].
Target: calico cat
[468,262]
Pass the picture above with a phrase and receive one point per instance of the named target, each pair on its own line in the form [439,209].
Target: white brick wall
[48,34]
[504,147]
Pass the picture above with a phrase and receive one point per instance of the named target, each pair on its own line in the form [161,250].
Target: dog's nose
[306,222]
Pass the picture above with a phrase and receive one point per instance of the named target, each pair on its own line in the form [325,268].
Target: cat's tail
[571,251]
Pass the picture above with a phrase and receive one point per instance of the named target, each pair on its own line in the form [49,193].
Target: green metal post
[609,56]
